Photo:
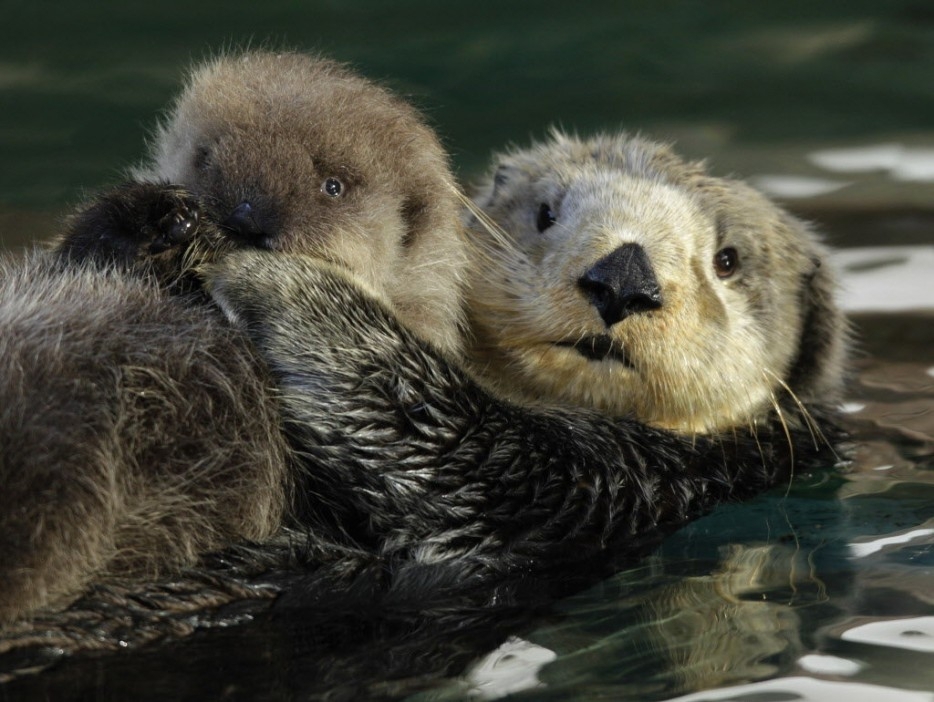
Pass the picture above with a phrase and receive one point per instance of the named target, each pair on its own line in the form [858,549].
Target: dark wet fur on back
[465,497]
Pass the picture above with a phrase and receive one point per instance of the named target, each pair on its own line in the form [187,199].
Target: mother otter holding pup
[335,248]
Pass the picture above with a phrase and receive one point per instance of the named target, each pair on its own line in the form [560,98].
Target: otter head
[295,153]
[615,275]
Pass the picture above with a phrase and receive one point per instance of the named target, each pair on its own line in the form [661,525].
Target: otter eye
[725,262]
[545,217]
[332,187]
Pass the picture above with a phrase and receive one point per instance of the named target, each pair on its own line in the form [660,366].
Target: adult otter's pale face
[629,280]
[297,154]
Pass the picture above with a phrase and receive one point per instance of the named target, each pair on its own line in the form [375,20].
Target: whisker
[817,435]
[498,234]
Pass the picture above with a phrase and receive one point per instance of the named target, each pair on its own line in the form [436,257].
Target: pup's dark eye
[725,262]
[545,217]
[332,187]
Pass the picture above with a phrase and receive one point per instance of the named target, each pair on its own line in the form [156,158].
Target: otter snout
[621,283]
[243,222]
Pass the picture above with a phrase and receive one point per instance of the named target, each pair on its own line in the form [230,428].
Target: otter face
[626,279]
[297,154]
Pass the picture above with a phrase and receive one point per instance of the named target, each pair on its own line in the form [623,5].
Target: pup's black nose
[243,221]
[622,283]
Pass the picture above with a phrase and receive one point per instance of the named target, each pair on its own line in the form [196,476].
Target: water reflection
[829,581]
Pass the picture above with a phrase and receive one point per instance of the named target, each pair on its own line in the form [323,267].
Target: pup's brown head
[624,278]
[296,153]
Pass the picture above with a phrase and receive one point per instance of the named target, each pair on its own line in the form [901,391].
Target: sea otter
[291,152]
[429,467]
[394,450]
[618,276]
[137,431]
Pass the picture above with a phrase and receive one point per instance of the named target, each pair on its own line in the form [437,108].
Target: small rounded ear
[504,173]
[415,216]
[817,372]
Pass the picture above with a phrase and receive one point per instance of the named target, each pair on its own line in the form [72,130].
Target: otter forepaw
[178,225]
[132,221]
[282,298]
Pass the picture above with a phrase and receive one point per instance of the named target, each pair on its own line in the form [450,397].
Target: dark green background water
[82,82]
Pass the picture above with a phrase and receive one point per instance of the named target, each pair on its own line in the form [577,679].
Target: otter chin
[610,273]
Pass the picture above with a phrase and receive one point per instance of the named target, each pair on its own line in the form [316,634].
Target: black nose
[622,283]
[243,221]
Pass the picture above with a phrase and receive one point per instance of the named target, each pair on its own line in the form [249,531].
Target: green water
[81,83]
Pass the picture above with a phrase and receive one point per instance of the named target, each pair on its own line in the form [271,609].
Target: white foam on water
[803,689]
[866,548]
[886,278]
[900,162]
[914,634]
[852,407]
[511,668]
[859,159]
[915,165]
[791,187]
[829,665]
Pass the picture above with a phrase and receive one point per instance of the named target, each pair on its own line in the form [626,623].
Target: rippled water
[824,591]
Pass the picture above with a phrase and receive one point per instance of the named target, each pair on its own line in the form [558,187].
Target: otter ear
[818,370]
[504,173]
[415,215]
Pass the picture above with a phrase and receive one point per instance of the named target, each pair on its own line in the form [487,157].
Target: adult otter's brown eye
[725,262]
[332,187]
[545,217]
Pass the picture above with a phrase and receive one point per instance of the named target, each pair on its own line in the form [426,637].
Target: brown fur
[237,135]
[715,354]
[137,430]
[270,129]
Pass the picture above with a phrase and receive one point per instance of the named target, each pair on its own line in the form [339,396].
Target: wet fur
[136,473]
[397,456]
[416,459]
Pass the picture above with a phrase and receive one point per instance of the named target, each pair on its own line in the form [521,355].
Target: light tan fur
[271,129]
[717,353]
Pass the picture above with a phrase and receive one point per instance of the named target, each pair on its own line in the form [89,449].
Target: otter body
[618,276]
[394,453]
[136,431]
[281,152]
[430,468]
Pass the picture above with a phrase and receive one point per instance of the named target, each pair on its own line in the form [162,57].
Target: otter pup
[137,430]
[616,275]
[294,153]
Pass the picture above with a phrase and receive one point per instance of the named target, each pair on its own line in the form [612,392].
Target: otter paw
[132,221]
[178,225]
[295,296]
